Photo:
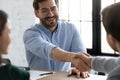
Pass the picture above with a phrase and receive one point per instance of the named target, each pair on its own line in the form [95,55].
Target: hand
[82,62]
[77,73]
[85,57]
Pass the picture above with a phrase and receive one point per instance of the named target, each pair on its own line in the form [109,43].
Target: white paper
[34,74]
[95,77]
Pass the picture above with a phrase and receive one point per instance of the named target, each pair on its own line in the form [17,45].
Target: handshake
[82,64]
[82,61]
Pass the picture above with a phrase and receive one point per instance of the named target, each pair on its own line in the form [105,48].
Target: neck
[118,46]
[119,49]
[52,29]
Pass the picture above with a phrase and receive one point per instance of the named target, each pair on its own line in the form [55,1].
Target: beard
[49,22]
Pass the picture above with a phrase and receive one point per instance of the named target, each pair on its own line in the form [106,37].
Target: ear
[36,13]
[111,39]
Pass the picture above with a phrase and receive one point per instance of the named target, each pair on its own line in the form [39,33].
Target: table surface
[59,75]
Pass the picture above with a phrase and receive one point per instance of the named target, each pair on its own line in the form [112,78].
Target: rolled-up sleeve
[35,44]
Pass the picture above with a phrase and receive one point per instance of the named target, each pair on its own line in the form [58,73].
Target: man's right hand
[82,62]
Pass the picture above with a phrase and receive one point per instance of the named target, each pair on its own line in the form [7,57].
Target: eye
[44,10]
[53,8]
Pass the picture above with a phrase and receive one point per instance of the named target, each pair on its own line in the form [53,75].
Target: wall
[21,16]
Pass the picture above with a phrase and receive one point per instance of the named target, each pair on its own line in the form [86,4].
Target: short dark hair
[36,6]
[111,20]
[3,20]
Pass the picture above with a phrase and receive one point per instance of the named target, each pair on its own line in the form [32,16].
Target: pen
[46,73]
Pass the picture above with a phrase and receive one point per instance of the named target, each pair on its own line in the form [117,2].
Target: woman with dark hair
[7,70]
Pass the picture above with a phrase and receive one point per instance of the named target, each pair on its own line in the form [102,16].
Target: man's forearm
[61,55]
[64,56]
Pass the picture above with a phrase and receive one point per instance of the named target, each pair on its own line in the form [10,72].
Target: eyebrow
[50,7]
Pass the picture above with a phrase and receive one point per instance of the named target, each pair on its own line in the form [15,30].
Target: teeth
[50,19]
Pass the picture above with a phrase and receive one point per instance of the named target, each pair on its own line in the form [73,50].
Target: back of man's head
[111,20]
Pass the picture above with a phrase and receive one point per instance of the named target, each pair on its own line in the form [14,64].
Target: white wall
[21,16]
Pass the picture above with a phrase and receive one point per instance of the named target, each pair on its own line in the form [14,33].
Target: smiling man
[47,13]
[52,43]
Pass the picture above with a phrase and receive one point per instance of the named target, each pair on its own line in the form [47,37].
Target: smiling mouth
[50,18]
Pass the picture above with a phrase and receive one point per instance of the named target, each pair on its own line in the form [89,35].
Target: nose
[50,13]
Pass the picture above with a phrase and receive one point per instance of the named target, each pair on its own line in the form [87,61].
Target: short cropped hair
[111,20]
[36,6]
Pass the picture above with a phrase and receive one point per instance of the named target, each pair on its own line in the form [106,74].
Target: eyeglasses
[47,10]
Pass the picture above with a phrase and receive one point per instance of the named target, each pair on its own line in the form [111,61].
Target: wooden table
[63,76]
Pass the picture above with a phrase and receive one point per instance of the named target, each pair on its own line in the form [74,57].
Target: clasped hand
[82,63]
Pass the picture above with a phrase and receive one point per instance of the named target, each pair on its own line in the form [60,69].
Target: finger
[78,74]
[86,62]
[87,54]
[84,74]
[86,59]
[82,66]
[82,58]
[73,71]
[70,73]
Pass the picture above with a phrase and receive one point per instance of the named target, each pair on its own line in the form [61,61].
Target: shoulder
[114,74]
[33,30]
[66,25]
[17,73]
[33,27]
